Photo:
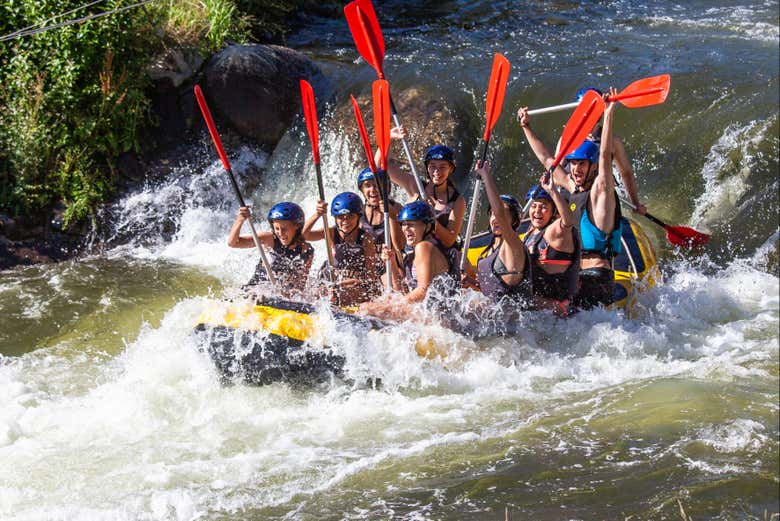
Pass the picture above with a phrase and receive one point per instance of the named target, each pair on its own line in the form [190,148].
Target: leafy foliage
[74,99]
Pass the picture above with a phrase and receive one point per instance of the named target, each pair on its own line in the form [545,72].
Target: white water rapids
[137,425]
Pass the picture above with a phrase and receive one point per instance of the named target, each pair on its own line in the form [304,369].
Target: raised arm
[423,266]
[541,151]
[235,240]
[307,232]
[503,216]
[602,193]
[448,235]
[397,176]
[562,231]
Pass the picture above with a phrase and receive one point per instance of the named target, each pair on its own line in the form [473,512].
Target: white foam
[735,436]
[726,178]
[727,22]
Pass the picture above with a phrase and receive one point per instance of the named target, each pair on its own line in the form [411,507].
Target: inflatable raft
[272,339]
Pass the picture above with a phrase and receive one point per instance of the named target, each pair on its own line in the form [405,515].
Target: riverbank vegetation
[75,98]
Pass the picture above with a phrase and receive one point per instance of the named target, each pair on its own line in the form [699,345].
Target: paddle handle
[408,152]
[473,210]
[204,109]
[326,231]
[554,108]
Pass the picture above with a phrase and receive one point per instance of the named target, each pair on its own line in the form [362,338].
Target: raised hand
[608,96]
[243,213]
[547,182]
[482,169]
[523,118]
[398,132]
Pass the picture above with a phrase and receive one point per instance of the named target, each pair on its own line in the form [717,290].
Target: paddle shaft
[554,108]
[326,230]
[473,210]
[204,109]
[654,219]
[557,108]
[407,151]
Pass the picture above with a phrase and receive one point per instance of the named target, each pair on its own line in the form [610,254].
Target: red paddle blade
[495,94]
[685,237]
[310,113]
[363,134]
[645,92]
[580,123]
[204,109]
[381,92]
[366,32]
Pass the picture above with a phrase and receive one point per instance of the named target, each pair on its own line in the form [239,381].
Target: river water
[108,410]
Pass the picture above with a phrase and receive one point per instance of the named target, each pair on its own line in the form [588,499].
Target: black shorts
[597,288]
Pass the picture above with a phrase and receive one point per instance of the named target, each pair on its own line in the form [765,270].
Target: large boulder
[254,88]
[425,115]
[427,118]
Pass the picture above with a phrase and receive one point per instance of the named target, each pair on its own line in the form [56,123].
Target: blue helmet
[286,212]
[416,211]
[537,192]
[364,176]
[345,203]
[442,152]
[587,150]
[581,93]
[514,208]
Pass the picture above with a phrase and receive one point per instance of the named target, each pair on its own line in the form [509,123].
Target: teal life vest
[592,239]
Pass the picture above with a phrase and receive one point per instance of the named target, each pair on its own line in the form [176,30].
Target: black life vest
[288,264]
[558,286]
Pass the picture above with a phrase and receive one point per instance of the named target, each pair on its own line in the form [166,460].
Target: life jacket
[490,269]
[451,255]
[443,216]
[288,264]
[592,239]
[376,231]
[349,261]
[350,258]
[558,286]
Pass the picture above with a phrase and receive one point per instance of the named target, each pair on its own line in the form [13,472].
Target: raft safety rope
[31,29]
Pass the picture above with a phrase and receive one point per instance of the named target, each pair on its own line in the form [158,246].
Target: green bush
[73,99]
